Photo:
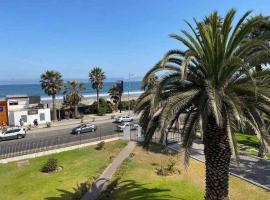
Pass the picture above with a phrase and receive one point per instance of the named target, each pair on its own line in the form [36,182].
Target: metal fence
[34,145]
[173,136]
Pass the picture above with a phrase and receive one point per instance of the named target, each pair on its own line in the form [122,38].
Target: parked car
[13,133]
[84,128]
[123,125]
[124,119]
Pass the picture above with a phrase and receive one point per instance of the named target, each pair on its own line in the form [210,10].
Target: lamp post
[129,78]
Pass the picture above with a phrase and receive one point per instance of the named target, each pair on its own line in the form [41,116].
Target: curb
[54,151]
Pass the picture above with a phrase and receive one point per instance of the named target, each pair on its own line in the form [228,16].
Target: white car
[122,126]
[13,133]
[124,119]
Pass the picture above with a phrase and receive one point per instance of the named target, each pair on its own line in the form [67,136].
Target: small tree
[73,95]
[115,95]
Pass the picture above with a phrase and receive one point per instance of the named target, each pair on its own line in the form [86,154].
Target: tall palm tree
[73,95]
[115,95]
[51,82]
[97,77]
[212,84]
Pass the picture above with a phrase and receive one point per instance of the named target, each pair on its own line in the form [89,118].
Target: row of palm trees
[218,82]
[52,83]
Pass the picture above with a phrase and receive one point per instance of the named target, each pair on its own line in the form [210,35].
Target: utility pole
[129,78]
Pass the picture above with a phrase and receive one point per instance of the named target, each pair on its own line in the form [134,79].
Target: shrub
[50,166]
[101,111]
[167,167]
[48,124]
[29,127]
[104,106]
[100,145]
[125,105]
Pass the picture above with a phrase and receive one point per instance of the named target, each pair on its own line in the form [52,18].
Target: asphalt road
[51,138]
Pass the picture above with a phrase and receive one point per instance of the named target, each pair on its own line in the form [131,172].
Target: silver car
[84,128]
[123,125]
[124,119]
[13,133]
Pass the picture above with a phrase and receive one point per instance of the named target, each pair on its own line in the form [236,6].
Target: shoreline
[88,100]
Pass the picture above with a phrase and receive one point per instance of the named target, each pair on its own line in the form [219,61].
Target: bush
[48,124]
[104,107]
[101,111]
[125,105]
[50,166]
[100,145]
[168,167]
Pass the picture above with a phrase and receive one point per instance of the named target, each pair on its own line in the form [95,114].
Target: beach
[89,99]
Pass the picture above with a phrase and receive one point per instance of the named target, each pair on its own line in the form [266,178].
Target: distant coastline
[35,89]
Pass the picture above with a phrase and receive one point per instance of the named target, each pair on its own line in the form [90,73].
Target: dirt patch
[23,163]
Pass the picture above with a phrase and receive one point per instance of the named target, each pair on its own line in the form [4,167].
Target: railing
[23,147]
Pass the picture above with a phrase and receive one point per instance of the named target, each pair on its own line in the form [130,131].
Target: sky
[120,36]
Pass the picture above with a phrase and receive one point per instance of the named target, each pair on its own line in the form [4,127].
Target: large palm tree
[97,77]
[213,84]
[73,95]
[52,82]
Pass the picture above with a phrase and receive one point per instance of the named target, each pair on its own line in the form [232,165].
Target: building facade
[3,113]
[27,109]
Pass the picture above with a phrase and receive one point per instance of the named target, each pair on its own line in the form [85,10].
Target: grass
[27,182]
[141,182]
[249,141]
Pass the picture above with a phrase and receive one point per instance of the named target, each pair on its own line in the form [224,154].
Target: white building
[27,108]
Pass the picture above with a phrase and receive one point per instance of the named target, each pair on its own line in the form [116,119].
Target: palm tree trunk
[76,110]
[54,110]
[261,152]
[217,160]
[97,100]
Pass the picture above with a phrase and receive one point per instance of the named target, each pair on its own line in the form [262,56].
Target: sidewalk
[252,169]
[100,184]
[71,122]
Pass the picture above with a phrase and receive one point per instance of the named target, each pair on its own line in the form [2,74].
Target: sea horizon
[34,89]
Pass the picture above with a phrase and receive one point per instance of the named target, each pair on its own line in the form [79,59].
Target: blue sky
[120,36]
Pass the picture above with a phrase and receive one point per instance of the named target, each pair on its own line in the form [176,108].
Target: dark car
[84,128]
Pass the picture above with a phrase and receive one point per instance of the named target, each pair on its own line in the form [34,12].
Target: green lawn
[249,141]
[28,183]
[141,182]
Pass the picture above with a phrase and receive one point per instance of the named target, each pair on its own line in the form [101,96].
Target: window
[12,131]
[24,118]
[13,103]
[42,117]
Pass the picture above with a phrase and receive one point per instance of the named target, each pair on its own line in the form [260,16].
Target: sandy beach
[89,100]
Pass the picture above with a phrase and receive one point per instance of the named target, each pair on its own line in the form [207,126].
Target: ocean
[35,89]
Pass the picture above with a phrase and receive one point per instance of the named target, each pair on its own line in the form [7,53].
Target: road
[45,139]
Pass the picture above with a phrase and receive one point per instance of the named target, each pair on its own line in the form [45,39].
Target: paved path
[252,169]
[101,183]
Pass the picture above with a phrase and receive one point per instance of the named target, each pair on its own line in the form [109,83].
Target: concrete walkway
[100,184]
[252,169]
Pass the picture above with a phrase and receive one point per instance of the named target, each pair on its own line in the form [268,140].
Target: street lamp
[129,78]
